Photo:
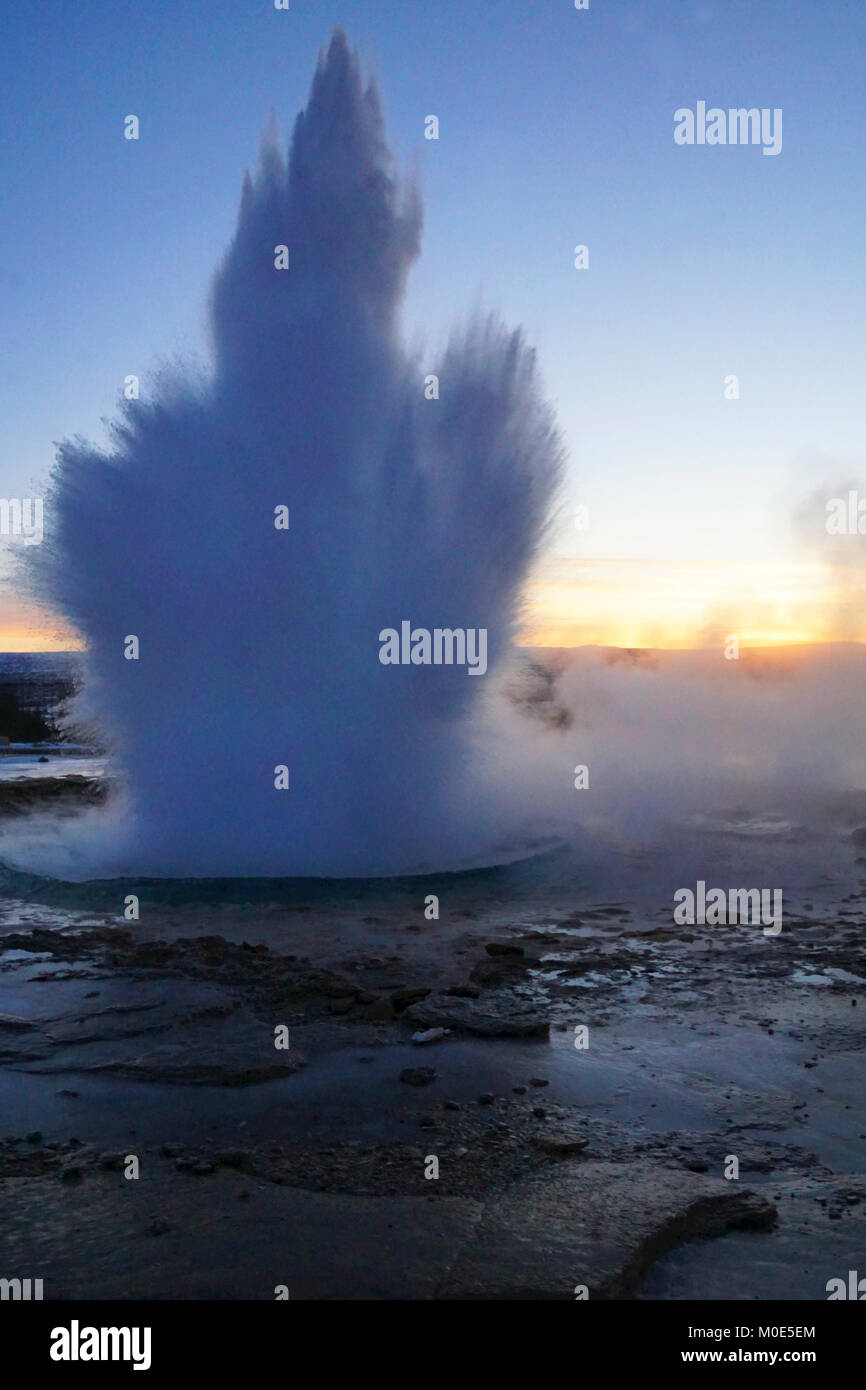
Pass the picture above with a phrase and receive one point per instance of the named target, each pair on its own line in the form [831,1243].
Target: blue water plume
[258,646]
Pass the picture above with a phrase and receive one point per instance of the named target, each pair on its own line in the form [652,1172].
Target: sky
[556,130]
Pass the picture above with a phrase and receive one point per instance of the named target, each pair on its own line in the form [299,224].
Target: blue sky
[556,129]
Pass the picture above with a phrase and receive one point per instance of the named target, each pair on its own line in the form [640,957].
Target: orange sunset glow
[615,602]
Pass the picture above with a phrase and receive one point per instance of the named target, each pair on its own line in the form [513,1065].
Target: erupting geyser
[258,646]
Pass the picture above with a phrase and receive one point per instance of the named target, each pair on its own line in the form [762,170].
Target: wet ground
[577,1052]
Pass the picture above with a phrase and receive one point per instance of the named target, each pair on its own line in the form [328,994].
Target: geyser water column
[259,646]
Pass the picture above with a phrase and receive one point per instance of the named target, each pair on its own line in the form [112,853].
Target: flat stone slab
[166,1030]
[181,1236]
[229,1235]
[599,1225]
[806,1251]
[12,1023]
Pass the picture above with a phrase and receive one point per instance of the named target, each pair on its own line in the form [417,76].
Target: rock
[486,1099]
[233,1158]
[539,1112]
[341,1005]
[519,1090]
[538,1081]
[172,1150]
[494,1016]
[112,1162]
[488,974]
[158,1227]
[22,794]
[591,1223]
[71,1173]
[34,1137]
[757,1163]
[202,1167]
[402,998]
[381,1011]
[229,1052]
[13,1024]
[537,1240]
[431,1035]
[504,948]
[418,1076]
[560,1145]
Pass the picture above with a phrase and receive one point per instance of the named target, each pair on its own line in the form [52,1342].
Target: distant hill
[36,665]
[32,685]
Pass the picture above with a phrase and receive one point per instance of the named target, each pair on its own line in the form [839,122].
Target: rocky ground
[67,793]
[436,1126]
